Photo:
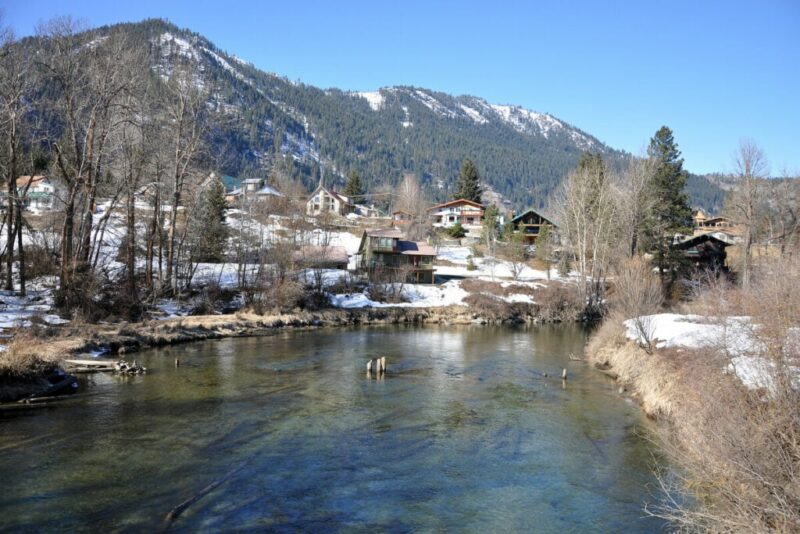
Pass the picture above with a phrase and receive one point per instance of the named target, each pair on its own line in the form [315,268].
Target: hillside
[521,154]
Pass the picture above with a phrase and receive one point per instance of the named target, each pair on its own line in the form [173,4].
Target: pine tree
[468,186]
[208,221]
[671,212]
[354,188]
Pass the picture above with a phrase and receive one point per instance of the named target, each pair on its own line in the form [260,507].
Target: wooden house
[530,223]
[401,218]
[386,250]
[319,257]
[705,251]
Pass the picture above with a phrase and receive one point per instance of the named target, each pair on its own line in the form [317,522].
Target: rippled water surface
[464,433]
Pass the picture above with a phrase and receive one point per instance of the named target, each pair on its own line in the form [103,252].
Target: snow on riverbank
[486,268]
[736,337]
[20,312]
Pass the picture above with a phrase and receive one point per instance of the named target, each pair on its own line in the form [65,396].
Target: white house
[38,192]
[466,212]
[324,200]
[252,188]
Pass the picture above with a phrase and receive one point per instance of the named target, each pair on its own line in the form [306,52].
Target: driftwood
[124,368]
[182,507]
[89,366]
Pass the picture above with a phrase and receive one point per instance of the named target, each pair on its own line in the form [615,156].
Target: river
[463,433]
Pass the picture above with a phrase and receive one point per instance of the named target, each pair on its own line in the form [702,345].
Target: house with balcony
[465,212]
[324,200]
[530,224]
[386,252]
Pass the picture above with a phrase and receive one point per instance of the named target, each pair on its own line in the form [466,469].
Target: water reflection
[464,432]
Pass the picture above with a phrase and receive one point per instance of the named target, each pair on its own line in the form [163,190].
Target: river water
[463,433]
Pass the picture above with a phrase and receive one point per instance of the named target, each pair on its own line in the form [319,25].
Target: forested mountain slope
[521,154]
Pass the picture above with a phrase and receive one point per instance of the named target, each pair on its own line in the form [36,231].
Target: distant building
[466,212]
[386,250]
[38,192]
[252,188]
[705,251]
[319,257]
[324,200]
[530,224]
[401,218]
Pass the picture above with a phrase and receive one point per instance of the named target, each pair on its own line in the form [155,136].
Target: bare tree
[751,169]
[636,199]
[15,87]
[586,208]
[411,199]
[186,113]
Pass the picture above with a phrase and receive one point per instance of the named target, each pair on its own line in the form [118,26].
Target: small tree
[516,254]
[456,231]
[354,187]
[544,246]
[490,220]
[208,230]
[468,185]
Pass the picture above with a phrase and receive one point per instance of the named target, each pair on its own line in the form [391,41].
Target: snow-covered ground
[17,311]
[485,268]
[736,337]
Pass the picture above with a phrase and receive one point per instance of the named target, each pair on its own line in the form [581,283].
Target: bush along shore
[723,378]
[32,356]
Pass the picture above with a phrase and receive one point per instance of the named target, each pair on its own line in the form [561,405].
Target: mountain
[522,155]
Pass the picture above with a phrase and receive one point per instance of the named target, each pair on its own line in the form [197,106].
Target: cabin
[324,200]
[252,189]
[465,212]
[401,218]
[38,192]
[319,257]
[704,252]
[386,249]
[530,224]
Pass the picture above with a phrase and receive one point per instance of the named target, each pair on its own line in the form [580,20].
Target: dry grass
[736,451]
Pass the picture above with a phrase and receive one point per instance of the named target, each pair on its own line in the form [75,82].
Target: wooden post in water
[564,374]
[383,364]
[369,369]
[177,362]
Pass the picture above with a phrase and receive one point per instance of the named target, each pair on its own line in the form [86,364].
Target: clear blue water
[464,433]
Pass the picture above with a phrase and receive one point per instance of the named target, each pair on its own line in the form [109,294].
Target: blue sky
[714,72]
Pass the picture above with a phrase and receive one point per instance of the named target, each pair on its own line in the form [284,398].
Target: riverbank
[730,426]
[33,354]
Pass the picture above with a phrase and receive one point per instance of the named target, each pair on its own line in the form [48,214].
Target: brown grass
[736,452]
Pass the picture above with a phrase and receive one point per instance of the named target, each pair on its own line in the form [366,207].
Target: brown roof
[315,253]
[23,181]
[415,248]
[385,232]
[457,201]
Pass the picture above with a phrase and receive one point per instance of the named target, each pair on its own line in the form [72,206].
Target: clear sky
[713,71]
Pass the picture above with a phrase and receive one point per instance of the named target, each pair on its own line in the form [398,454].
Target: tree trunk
[20,250]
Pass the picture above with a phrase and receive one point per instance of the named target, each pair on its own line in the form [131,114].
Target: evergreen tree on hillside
[354,188]
[468,185]
[671,211]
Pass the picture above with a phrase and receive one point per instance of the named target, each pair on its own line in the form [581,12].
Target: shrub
[456,231]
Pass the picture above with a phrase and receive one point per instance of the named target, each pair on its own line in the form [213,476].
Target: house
[721,227]
[466,212]
[385,250]
[530,224]
[38,192]
[324,200]
[401,218]
[319,257]
[705,251]
[252,188]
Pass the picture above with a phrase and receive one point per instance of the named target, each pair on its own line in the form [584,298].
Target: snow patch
[374,98]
